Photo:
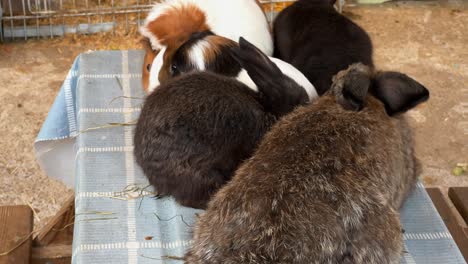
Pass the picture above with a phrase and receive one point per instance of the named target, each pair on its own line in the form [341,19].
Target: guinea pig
[171,22]
[195,130]
[150,54]
[324,184]
[205,51]
[319,41]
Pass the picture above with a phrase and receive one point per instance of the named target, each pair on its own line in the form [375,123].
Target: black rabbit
[195,130]
[319,41]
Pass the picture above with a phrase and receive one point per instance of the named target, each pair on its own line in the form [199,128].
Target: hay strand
[108,125]
[131,192]
[167,220]
[165,257]
[119,82]
[125,97]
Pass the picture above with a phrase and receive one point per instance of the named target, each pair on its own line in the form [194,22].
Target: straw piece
[125,97]
[166,220]
[120,83]
[166,257]
[98,219]
[96,212]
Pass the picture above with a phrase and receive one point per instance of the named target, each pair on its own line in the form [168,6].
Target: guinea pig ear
[398,92]
[279,94]
[145,43]
[351,86]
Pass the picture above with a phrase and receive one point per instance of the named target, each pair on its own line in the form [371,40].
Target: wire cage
[50,18]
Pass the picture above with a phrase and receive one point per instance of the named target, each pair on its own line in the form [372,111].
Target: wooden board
[452,219]
[59,230]
[52,254]
[459,197]
[16,226]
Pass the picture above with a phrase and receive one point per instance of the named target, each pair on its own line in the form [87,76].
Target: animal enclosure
[50,18]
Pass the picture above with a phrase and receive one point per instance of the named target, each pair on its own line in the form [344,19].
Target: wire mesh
[50,18]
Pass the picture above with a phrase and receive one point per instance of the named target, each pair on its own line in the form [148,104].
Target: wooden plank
[52,254]
[453,222]
[16,226]
[459,197]
[59,230]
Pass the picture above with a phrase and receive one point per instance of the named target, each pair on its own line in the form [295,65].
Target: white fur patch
[197,54]
[155,68]
[231,19]
[293,73]
[244,78]
[288,70]
[235,18]
[154,41]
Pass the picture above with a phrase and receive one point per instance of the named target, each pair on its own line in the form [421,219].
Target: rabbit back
[319,188]
[193,133]
[319,41]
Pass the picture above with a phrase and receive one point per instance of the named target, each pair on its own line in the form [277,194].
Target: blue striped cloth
[118,219]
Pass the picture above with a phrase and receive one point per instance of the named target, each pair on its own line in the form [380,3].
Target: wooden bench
[52,244]
[454,212]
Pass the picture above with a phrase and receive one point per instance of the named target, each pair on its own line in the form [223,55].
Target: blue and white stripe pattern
[116,222]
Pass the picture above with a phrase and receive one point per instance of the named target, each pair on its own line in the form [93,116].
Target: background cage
[48,18]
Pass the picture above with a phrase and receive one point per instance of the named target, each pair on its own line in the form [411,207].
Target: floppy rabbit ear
[279,94]
[398,92]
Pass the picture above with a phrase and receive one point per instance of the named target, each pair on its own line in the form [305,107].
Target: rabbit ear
[398,92]
[259,67]
[279,94]
[351,86]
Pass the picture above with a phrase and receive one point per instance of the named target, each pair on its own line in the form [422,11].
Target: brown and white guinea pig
[205,51]
[319,41]
[325,183]
[150,54]
[171,22]
[195,130]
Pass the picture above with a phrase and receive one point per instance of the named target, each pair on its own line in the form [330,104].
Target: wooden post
[459,197]
[59,229]
[16,227]
[53,243]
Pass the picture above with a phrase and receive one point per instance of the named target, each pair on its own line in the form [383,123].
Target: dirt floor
[425,40]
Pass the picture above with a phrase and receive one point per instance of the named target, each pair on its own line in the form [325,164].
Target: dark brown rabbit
[317,40]
[325,183]
[194,131]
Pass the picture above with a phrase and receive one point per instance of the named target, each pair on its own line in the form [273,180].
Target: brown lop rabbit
[325,184]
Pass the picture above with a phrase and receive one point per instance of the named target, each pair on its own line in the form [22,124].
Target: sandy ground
[427,41]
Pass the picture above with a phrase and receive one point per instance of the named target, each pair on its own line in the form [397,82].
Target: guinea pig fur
[171,22]
[325,183]
[317,40]
[205,51]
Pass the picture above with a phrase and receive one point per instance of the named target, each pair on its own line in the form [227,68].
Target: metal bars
[49,18]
